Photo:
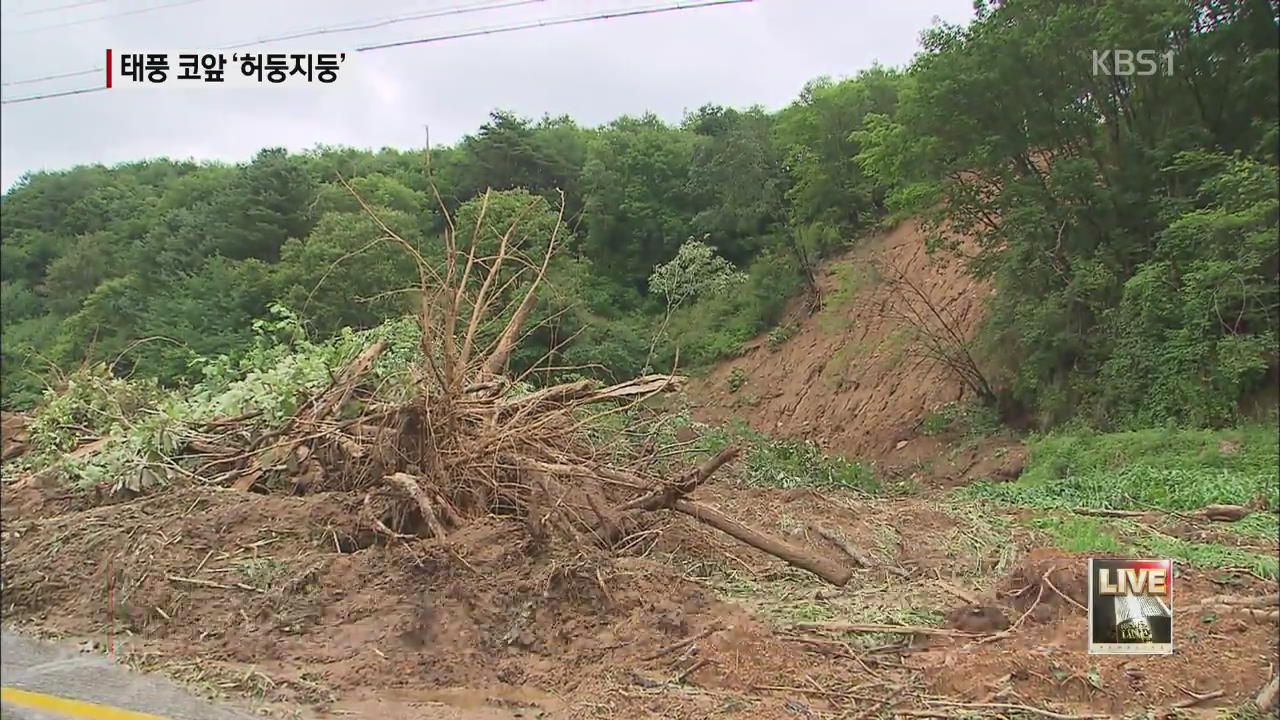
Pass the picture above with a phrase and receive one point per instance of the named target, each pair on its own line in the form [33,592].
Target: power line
[456,10]
[138,11]
[59,76]
[55,8]
[454,36]
[550,23]
[64,93]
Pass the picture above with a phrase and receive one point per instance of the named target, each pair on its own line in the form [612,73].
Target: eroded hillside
[850,377]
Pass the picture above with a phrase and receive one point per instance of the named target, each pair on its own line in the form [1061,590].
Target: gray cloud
[760,52]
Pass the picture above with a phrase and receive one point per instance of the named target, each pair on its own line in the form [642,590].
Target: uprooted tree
[467,440]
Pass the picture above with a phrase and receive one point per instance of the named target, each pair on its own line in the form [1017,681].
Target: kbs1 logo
[1130,607]
[1127,63]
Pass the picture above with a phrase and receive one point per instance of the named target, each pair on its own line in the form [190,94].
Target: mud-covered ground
[290,603]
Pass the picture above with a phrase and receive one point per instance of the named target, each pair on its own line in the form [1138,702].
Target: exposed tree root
[471,441]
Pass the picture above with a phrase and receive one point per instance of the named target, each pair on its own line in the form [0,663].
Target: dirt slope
[846,379]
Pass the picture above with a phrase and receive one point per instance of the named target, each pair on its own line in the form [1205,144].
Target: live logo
[1133,581]
[1130,606]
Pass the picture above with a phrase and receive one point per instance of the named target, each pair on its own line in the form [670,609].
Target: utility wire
[137,11]
[55,8]
[455,10]
[64,93]
[550,23]
[59,76]
[454,36]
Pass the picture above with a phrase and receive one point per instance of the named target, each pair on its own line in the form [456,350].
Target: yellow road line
[70,708]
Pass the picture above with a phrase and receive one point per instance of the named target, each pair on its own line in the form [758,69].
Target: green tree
[1062,183]
[637,206]
[736,181]
[348,272]
[817,135]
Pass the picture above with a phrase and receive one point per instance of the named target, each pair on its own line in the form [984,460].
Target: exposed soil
[848,379]
[293,597]
[291,601]
[13,434]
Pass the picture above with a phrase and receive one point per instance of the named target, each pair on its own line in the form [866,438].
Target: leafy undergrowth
[145,428]
[1159,468]
[1152,470]
[795,463]
[1124,537]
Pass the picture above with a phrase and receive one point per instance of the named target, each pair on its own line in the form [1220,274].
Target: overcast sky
[759,52]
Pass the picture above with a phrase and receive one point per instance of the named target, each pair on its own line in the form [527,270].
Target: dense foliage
[1128,223]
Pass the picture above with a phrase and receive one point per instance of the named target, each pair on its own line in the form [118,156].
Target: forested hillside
[1128,224]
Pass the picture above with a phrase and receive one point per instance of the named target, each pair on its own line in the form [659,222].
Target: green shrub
[971,420]
[940,420]
[780,335]
[737,378]
[147,427]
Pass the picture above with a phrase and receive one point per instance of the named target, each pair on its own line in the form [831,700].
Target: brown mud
[289,601]
[847,379]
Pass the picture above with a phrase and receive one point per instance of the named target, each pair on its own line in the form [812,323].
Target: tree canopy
[1127,223]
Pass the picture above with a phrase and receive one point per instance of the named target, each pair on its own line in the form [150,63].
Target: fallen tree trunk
[833,572]
[343,385]
[858,557]
[1224,513]
[854,554]
[1261,601]
[666,496]
[1217,513]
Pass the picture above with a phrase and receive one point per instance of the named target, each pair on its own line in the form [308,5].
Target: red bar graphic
[108,68]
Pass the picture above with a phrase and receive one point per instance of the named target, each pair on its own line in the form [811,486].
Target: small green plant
[940,420]
[737,378]
[972,421]
[780,335]
[800,463]
[1081,535]
[262,572]
[789,463]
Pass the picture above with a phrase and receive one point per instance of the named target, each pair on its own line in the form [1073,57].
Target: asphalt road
[61,670]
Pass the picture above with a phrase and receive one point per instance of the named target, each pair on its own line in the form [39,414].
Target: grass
[1259,525]
[793,596]
[1208,555]
[1128,538]
[1081,535]
[982,543]
[785,463]
[1157,469]
[1147,469]
[966,424]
